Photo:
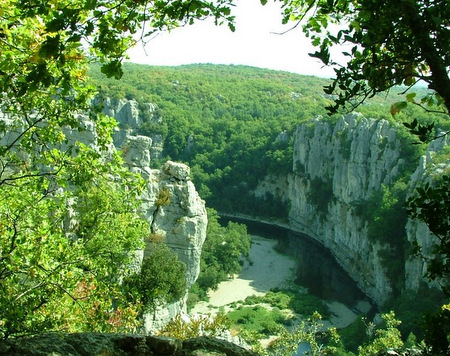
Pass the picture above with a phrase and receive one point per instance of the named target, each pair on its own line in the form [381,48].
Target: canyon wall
[337,168]
[350,161]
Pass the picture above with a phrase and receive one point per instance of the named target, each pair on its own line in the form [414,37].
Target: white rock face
[351,160]
[136,151]
[131,115]
[180,220]
[126,112]
[179,171]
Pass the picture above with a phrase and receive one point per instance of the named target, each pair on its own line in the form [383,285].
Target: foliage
[385,338]
[319,340]
[45,47]
[161,278]
[354,335]
[300,303]
[196,326]
[437,335]
[388,42]
[163,197]
[386,218]
[412,313]
[219,118]
[386,213]
[257,319]
[46,272]
[62,274]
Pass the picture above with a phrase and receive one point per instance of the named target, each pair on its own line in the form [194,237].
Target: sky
[255,43]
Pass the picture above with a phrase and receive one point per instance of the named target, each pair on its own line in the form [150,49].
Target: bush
[412,313]
[162,278]
[306,304]
[299,303]
[257,320]
[354,335]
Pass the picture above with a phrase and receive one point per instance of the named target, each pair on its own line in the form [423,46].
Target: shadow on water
[317,269]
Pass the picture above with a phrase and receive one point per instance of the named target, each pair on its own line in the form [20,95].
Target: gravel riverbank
[267,269]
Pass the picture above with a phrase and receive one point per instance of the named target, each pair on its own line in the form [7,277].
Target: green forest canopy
[230,115]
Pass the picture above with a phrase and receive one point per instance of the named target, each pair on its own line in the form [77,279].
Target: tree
[162,277]
[68,210]
[385,338]
[311,334]
[62,252]
[392,43]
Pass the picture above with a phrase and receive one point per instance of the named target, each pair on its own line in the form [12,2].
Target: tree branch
[441,80]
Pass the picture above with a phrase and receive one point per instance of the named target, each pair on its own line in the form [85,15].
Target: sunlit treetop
[388,43]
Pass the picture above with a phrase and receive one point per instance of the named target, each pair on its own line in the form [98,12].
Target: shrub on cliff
[162,278]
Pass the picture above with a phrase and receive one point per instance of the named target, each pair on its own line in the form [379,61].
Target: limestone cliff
[130,116]
[180,220]
[349,160]
[337,167]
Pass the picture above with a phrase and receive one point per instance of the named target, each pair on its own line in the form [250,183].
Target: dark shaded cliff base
[96,344]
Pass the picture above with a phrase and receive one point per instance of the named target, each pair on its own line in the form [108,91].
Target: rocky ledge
[98,344]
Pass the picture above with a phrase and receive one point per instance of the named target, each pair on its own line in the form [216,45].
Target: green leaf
[398,107]
[323,55]
[410,97]
[112,69]
[74,38]
[51,47]
[55,25]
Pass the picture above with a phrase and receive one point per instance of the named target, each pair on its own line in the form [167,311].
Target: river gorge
[341,172]
[315,267]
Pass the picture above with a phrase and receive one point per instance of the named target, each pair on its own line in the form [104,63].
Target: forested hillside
[71,215]
[231,124]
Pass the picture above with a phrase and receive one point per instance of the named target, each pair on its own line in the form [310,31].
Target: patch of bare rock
[101,344]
